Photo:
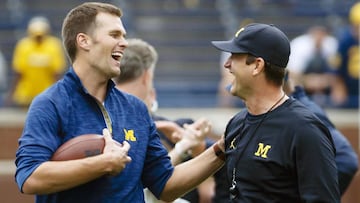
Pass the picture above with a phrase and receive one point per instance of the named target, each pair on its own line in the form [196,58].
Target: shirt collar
[74,81]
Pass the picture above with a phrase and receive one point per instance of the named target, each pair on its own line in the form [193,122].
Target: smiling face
[106,45]
[241,84]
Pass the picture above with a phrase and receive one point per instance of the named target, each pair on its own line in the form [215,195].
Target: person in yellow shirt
[38,61]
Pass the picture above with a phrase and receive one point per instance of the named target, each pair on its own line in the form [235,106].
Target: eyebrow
[117,32]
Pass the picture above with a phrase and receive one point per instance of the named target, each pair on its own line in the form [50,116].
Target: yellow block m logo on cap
[129,135]
[262,150]
[238,32]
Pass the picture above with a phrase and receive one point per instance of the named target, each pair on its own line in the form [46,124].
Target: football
[79,147]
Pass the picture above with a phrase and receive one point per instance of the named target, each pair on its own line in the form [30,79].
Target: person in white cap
[38,61]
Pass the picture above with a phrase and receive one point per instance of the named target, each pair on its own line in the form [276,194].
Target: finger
[175,136]
[128,159]
[208,127]
[107,136]
[126,146]
[201,121]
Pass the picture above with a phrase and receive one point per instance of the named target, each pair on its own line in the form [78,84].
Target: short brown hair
[273,73]
[81,19]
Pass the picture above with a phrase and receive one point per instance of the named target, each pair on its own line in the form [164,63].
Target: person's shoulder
[296,114]
[238,117]
[344,35]
[25,41]
[129,100]
[298,111]
[301,39]
[57,91]
[293,105]
[126,96]
[53,39]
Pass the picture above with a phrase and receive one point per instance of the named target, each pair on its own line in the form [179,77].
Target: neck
[277,102]
[92,81]
[134,87]
[259,105]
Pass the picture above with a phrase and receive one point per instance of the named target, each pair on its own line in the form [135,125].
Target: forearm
[189,174]
[55,176]
[181,151]
[175,157]
[198,149]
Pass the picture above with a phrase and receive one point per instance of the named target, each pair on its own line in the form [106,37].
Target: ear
[144,77]
[259,66]
[83,41]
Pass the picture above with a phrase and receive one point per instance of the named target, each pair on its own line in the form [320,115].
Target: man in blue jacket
[87,101]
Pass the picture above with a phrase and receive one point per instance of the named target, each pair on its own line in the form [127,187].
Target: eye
[114,35]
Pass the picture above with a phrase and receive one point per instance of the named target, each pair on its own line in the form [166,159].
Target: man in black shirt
[276,149]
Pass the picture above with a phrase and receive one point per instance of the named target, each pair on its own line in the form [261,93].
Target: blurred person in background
[345,91]
[38,62]
[310,62]
[3,78]
[137,75]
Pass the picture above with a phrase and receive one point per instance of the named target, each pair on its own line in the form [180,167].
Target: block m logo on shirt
[262,150]
[129,135]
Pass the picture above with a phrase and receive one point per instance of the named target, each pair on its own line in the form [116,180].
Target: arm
[339,91]
[55,176]
[18,64]
[174,133]
[190,140]
[170,129]
[189,174]
[9,100]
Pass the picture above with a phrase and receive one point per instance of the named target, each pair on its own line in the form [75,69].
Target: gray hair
[138,57]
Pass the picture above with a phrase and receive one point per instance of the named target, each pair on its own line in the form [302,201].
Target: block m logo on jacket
[262,150]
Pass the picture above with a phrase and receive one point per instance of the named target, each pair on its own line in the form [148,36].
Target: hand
[198,130]
[171,130]
[203,125]
[194,136]
[116,153]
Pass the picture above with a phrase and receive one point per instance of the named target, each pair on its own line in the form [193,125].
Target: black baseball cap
[261,40]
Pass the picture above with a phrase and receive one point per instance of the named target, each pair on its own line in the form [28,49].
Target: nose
[123,43]
[227,63]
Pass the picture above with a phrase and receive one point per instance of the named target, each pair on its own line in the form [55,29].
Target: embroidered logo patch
[129,135]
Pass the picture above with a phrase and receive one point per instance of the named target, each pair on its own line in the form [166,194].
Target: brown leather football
[79,147]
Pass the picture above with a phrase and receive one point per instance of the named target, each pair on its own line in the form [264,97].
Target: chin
[116,71]
[232,91]
[114,74]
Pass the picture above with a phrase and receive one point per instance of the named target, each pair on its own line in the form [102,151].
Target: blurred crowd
[323,60]
[328,66]
[38,61]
